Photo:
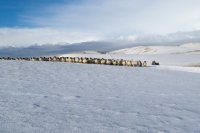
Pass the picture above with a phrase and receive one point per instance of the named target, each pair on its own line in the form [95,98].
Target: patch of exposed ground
[193,65]
[186,52]
[147,49]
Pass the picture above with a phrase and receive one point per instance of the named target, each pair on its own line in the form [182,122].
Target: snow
[71,97]
[190,48]
[86,52]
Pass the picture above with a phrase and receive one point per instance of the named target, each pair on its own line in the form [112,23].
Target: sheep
[144,63]
[67,59]
[62,59]
[103,61]
[139,63]
[85,60]
[71,59]
[12,58]
[40,59]
[119,62]
[26,59]
[134,63]
[90,60]
[124,62]
[80,60]
[58,59]
[76,59]
[20,58]
[114,62]
[49,59]
[108,62]
[97,61]
[54,58]
[34,59]
[45,58]
[155,63]
[128,63]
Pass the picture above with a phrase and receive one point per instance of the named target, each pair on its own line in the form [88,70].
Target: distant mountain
[57,49]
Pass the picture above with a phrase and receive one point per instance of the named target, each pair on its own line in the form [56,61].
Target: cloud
[27,37]
[102,45]
[114,18]
[30,36]
[133,21]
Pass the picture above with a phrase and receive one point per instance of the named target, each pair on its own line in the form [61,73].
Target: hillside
[190,48]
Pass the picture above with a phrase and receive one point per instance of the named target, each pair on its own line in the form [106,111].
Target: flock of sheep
[119,62]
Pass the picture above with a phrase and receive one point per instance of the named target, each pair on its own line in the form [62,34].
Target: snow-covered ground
[190,48]
[69,97]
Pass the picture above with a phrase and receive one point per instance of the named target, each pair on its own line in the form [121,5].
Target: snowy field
[38,97]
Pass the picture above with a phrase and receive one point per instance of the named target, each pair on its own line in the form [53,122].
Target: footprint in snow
[77,96]
[36,105]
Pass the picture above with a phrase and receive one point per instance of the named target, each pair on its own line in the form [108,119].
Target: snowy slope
[67,97]
[86,52]
[191,48]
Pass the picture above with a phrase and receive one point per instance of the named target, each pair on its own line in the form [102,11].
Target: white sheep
[128,63]
[144,63]
[103,61]
[97,61]
[85,60]
[124,62]
[62,59]
[108,62]
[134,63]
[76,59]
[80,60]
[114,62]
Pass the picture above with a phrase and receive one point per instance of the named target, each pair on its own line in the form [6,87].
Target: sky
[27,22]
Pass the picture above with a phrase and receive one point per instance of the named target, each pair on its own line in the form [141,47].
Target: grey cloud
[105,46]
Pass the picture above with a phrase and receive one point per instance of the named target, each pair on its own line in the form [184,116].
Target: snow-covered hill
[191,48]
